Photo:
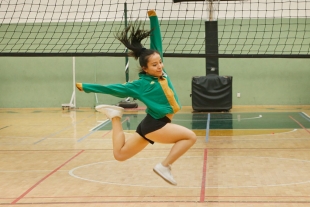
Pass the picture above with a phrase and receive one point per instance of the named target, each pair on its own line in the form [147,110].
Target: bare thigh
[136,141]
[134,144]
[171,133]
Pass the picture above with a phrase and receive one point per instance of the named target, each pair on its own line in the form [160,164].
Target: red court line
[204,174]
[193,149]
[154,196]
[299,124]
[48,175]
[162,202]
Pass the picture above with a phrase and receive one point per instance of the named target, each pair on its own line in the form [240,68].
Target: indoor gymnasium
[155,103]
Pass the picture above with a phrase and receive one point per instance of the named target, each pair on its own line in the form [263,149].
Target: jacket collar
[149,77]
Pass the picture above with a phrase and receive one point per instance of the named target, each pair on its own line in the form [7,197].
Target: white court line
[239,119]
[305,114]
[279,139]
[71,173]
[294,130]
[101,123]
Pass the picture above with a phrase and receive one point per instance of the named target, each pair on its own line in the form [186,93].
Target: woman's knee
[192,136]
[119,157]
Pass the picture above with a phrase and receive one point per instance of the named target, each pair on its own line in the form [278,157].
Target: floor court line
[155,196]
[204,175]
[299,124]
[211,197]
[105,134]
[239,119]
[162,202]
[208,128]
[99,127]
[63,129]
[253,183]
[94,180]
[305,116]
[252,135]
[44,178]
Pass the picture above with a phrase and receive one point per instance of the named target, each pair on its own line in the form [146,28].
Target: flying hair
[132,36]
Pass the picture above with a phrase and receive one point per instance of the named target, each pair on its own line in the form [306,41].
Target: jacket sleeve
[156,40]
[129,89]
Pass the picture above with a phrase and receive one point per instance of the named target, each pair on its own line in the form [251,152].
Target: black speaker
[212,93]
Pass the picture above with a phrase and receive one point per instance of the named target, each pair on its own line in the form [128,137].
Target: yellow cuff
[79,86]
[151,13]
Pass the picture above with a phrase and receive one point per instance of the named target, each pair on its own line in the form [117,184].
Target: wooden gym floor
[251,156]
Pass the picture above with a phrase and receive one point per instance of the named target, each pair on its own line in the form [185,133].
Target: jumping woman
[155,90]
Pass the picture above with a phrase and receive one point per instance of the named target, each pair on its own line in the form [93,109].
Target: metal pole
[126,58]
[74,88]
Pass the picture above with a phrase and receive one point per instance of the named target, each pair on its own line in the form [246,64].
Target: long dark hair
[131,37]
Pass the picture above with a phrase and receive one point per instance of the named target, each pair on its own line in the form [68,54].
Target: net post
[211,47]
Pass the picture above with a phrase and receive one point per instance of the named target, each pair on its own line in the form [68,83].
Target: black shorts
[149,124]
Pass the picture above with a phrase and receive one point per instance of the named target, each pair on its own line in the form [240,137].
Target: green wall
[31,82]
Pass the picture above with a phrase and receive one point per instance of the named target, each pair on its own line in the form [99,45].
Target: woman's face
[154,66]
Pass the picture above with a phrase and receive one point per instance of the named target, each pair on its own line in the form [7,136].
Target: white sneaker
[165,173]
[110,111]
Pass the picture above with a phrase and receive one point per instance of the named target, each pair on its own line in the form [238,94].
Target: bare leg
[182,138]
[124,149]
[177,151]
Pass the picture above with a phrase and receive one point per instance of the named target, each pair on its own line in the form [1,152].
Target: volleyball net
[248,28]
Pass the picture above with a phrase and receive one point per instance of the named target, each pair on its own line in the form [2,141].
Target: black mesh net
[252,28]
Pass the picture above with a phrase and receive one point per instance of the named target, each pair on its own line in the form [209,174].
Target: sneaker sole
[164,178]
[109,106]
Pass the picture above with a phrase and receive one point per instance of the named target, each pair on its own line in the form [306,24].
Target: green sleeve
[129,89]
[156,39]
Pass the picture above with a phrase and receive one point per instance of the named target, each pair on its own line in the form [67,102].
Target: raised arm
[156,40]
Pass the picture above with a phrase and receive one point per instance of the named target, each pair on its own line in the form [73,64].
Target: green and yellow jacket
[157,93]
